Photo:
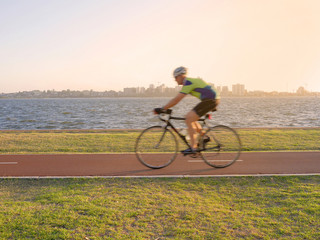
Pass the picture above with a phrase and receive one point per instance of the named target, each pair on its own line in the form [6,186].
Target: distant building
[141,90]
[302,91]
[129,91]
[161,88]
[224,91]
[238,90]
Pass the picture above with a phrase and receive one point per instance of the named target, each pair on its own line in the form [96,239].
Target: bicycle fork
[158,144]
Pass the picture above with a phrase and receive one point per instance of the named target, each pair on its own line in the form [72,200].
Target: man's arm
[174,101]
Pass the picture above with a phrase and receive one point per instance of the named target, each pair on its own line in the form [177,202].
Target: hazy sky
[110,44]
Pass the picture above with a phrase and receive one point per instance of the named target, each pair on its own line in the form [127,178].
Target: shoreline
[155,97]
[137,130]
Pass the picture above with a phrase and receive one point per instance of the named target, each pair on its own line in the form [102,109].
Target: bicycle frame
[169,124]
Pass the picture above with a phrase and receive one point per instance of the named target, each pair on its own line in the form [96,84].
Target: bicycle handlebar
[168,111]
[164,111]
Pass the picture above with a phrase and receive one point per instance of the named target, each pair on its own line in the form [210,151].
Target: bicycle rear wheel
[156,147]
[221,146]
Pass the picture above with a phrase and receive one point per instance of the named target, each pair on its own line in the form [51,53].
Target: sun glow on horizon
[265,45]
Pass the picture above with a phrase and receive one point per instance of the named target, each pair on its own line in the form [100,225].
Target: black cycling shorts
[206,106]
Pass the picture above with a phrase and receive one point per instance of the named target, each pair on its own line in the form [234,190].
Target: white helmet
[179,71]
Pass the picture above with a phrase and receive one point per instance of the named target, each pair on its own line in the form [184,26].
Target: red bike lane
[127,165]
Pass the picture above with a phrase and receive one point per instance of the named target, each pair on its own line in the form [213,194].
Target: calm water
[136,113]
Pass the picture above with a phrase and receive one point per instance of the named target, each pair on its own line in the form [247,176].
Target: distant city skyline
[268,45]
[237,90]
[220,87]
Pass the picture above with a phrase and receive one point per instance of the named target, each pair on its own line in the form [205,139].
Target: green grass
[287,139]
[67,141]
[182,208]
[107,141]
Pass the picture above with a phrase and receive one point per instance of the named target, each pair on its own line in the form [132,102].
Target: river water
[136,113]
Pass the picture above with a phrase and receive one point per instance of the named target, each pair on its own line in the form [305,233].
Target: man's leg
[193,127]
[197,127]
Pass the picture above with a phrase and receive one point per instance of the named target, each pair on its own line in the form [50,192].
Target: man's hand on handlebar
[161,110]
[158,110]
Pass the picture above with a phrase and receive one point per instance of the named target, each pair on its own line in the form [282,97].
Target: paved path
[61,165]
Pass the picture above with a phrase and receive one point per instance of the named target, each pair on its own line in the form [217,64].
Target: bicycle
[157,146]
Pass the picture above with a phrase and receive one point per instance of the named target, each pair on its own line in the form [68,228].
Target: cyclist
[200,89]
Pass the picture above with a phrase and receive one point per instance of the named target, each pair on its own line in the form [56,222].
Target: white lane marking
[195,161]
[8,163]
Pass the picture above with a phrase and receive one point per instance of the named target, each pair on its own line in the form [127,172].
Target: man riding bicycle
[200,89]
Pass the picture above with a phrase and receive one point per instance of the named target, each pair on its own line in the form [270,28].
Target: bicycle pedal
[191,154]
[194,155]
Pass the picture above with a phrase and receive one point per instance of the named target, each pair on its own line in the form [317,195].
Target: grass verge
[183,208]
[108,141]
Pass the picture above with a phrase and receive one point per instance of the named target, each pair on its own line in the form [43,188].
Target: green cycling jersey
[199,88]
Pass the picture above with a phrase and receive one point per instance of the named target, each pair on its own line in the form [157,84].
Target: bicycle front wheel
[221,146]
[156,147]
